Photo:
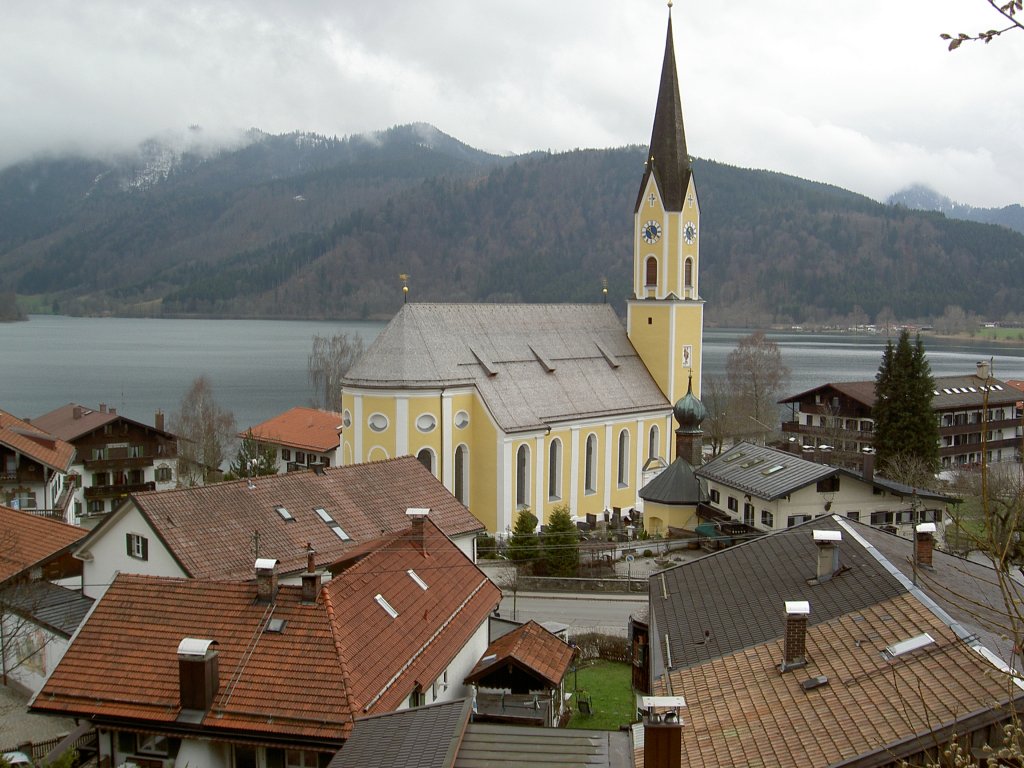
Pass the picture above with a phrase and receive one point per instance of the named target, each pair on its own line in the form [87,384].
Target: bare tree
[205,433]
[328,362]
[1008,10]
[756,376]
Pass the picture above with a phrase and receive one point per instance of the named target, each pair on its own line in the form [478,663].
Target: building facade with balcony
[34,469]
[977,417]
[114,456]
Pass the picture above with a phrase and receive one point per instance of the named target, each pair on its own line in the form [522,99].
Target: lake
[258,367]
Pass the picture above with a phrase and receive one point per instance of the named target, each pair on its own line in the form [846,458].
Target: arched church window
[688,273]
[654,442]
[462,474]
[623,474]
[555,470]
[651,271]
[426,457]
[523,476]
[590,470]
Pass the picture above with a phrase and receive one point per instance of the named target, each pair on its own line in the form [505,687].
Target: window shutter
[145,548]
[128,544]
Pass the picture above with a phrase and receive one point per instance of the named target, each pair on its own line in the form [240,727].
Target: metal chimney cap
[265,564]
[797,607]
[827,537]
[194,647]
[926,528]
[417,512]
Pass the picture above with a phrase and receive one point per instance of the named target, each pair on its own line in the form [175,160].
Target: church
[542,405]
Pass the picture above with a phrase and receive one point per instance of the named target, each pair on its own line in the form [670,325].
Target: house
[977,417]
[300,438]
[34,469]
[542,405]
[41,605]
[114,456]
[521,678]
[448,736]
[215,531]
[829,643]
[178,671]
[767,489]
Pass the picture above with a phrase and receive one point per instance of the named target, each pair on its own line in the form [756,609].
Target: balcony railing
[108,491]
[125,462]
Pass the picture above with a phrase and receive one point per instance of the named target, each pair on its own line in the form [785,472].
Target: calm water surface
[258,367]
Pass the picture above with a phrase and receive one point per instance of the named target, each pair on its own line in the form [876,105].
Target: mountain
[302,225]
[921,198]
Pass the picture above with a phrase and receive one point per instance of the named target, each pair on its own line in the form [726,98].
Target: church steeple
[667,158]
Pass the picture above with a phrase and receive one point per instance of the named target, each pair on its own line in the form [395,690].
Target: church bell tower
[665,316]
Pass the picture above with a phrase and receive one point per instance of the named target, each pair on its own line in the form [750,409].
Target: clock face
[651,232]
[690,232]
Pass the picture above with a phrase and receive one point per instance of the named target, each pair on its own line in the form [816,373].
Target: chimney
[828,554]
[984,371]
[663,732]
[925,544]
[794,642]
[266,580]
[310,579]
[158,420]
[417,516]
[869,465]
[113,411]
[76,412]
[103,407]
[197,673]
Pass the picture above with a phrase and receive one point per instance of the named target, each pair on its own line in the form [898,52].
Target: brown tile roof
[337,658]
[210,529]
[740,710]
[387,656]
[27,540]
[532,648]
[36,443]
[306,429]
[62,422]
[951,392]
[123,663]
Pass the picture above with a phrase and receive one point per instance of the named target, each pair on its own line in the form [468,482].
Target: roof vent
[386,606]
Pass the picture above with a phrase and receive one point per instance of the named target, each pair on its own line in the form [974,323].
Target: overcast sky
[859,94]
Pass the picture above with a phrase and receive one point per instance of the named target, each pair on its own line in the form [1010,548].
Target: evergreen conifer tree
[561,543]
[524,545]
[905,423]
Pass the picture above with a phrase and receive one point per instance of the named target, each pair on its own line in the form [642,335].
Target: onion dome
[689,411]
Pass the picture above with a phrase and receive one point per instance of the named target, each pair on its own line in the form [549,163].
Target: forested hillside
[307,226]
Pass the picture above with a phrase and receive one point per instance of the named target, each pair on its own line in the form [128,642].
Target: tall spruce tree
[905,424]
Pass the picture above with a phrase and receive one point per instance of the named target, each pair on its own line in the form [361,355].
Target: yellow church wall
[658,518]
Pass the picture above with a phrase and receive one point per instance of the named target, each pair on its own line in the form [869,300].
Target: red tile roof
[530,647]
[27,540]
[210,529]
[307,429]
[34,442]
[63,423]
[337,658]
[432,624]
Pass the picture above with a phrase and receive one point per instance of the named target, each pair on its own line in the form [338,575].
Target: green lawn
[609,685]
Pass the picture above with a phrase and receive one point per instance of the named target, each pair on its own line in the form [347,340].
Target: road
[608,614]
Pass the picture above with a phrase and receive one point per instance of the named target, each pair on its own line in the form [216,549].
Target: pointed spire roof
[667,157]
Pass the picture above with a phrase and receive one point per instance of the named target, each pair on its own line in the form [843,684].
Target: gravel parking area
[18,726]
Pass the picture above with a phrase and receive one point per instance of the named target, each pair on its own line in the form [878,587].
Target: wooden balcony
[111,491]
[124,462]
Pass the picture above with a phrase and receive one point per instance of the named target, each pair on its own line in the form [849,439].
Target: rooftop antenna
[405,287]
[604,288]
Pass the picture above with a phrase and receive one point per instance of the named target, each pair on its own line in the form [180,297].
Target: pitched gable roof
[72,421]
[764,472]
[949,392]
[122,665]
[530,647]
[307,429]
[338,657]
[28,540]
[210,529]
[36,443]
[533,364]
[388,655]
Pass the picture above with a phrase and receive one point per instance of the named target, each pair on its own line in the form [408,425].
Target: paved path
[17,725]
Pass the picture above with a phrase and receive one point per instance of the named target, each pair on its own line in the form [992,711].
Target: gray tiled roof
[676,484]
[737,595]
[422,737]
[50,605]
[533,364]
[491,745]
[746,466]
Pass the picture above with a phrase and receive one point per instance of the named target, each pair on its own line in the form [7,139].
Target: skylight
[906,646]
[773,469]
[324,515]
[416,577]
[340,533]
[386,606]
[284,513]
[275,625]
[751,463]
[734,457]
